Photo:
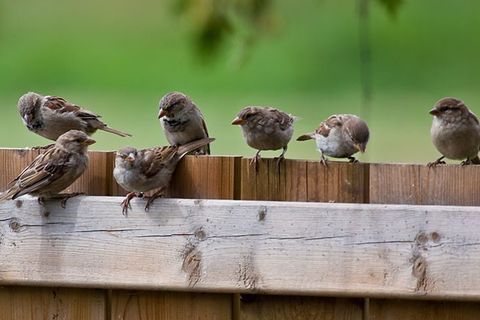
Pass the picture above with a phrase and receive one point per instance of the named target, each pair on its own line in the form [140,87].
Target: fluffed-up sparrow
[265,128]
[455,132]
[50,117]
[340,136]
[139,171]
[182,121]
[53,171]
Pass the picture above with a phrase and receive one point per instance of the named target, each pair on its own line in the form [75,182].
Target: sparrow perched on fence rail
[139,171]
[182,121]
[265,128]
[53,171]
[340,136]
[50,117]
[455,132]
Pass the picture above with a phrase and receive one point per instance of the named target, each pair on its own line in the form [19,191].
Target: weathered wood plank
[262,307]
[426,310]
[130,305]
[418,184]
[246,247]
[51,303]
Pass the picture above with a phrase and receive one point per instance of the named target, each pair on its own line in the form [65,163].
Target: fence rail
[347,257]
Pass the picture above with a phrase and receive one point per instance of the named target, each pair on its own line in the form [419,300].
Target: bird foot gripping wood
[152,198]
[126,202]
[324,160]
[436,162]
[353,160]
[255,161]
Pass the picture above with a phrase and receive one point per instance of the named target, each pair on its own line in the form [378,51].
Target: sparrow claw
[44,211]
[152,198]
[466,162]
[436,163]
[353,160]
[323,161]
[126,202]
[255,160]
[67,196]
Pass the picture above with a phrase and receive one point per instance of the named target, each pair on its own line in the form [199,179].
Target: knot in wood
[262,213]
[14,225]
[200,234]
[18,203]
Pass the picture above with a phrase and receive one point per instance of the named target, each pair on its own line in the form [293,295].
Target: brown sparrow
[51,117]
[54,170]
[265,128]
[182,121]
[455,132]
[340,136]
[144,170]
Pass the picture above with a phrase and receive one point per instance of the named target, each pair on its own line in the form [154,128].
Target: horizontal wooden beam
[244,246]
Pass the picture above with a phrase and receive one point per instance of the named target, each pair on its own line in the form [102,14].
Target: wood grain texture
[300,180]
[418,184]
[245,247]
[27,303]
[423,310]
[260,307]
[130,305]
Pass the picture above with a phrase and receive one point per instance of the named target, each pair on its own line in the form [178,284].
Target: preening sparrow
[139,171]
[455,132]
[182,121]
[265,128]
[340,136]
[50,117]
[54,170]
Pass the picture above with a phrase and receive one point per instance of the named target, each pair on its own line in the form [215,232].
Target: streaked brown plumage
[139,171]
[455,132]
[265,128]
[340,136]
[50,117]
[53,171]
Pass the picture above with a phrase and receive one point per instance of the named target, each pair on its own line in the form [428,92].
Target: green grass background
[118,59]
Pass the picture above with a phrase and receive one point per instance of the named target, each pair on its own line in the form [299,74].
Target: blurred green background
[119,58]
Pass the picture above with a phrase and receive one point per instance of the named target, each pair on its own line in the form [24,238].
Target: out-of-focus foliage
[213,20]
[391,5]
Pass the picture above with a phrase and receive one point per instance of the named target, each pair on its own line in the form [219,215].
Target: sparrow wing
[44,169]
[283,119]
[60,105]
[325,126]
[155,159]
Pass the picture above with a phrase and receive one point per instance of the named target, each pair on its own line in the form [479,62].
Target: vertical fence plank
[418,184]
[51,303]
[301,308]
[432,310]
[202,177]
[129,305]
[300,180]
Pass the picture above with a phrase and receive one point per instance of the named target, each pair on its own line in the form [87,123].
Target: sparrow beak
[434,112]
[89,141]
[130,158]
[360,147]
[238,121]
[162,113]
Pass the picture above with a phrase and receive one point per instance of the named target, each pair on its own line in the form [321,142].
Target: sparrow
[50,117]
[53,171]
[182,121]
[455,132]
[139,171]
[265,128]
[340,136]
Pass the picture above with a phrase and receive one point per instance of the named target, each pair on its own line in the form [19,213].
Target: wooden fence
[376,241]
